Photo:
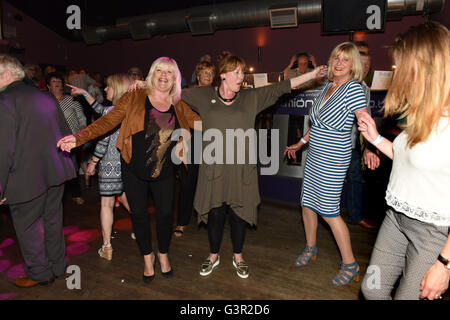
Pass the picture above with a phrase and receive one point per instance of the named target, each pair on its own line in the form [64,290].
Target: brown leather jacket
[129,111]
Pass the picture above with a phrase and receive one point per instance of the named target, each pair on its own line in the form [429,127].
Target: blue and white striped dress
[330,147]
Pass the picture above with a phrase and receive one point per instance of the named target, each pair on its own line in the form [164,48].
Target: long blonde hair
[420,87]
[175,91]
[350,51]
[119,83]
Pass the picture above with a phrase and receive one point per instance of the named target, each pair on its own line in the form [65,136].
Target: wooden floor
[270,251]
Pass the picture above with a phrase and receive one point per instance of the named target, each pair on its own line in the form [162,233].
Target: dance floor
[270,251]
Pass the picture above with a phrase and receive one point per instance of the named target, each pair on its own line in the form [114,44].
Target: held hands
[67,143]
[435,282]
[76,91]
[137,84]
[367,127]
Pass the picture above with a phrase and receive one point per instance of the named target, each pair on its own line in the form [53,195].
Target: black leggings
[216,224]
[188,184]
[137,195]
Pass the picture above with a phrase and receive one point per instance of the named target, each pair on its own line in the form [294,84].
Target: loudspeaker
[283,17]
[353,16]
[90,35]
[200,25]
[140,31]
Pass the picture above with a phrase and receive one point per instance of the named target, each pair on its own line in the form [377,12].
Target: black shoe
[168,274]
[148,279]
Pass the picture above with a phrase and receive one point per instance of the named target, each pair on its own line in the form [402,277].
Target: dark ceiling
[52,13]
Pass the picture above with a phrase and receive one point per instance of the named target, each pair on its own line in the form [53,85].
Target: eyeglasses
[207,72]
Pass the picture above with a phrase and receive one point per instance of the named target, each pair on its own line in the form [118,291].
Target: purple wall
[278,45]
[41,44]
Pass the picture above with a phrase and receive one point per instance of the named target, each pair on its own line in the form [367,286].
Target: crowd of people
[135,116]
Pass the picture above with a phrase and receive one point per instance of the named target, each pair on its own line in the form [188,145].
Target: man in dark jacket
[32,172]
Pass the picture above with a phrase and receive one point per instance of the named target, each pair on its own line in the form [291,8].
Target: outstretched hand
[67,143]
[76,91]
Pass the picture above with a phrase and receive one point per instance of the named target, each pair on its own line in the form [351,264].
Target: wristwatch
[446,262]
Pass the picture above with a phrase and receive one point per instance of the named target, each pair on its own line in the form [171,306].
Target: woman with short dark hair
[73,112]
[225,189]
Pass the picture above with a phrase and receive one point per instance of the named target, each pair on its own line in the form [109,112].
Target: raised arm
[317,73]
[79,91]
[103,125]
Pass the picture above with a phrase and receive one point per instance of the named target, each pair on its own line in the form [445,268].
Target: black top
[152,148]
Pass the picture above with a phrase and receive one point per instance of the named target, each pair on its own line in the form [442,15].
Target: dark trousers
[354,191]
[216,224]
[188,184]
[377,182]
[39,229]
[137,195]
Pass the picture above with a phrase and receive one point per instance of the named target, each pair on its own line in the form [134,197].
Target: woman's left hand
[2,201]
[435,282]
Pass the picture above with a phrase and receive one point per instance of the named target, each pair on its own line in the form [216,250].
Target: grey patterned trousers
[405,248]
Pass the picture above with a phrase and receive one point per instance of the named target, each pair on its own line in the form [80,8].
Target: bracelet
[377,140]
[303,140]
[87,95]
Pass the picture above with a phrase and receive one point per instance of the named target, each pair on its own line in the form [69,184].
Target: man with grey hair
[33,172]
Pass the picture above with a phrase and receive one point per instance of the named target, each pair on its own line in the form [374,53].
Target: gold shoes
[241,268]
[208,266]
[106,252]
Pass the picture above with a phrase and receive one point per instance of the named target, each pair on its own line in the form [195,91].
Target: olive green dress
[233,184]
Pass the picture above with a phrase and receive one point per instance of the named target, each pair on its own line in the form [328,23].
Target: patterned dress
[330,147]
[109,170]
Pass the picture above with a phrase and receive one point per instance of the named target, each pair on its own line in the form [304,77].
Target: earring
[223,78]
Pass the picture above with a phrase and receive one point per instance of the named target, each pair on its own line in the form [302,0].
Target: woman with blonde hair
[147,117]
[413,243]
[107,156]
[329,155]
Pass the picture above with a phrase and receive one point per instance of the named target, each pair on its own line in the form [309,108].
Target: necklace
[223,99]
